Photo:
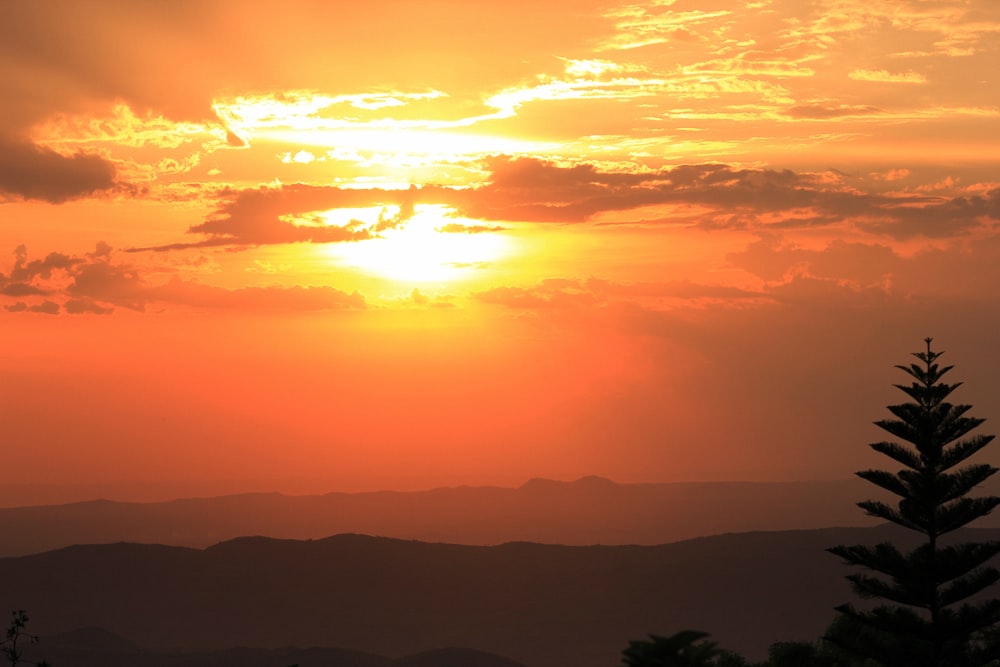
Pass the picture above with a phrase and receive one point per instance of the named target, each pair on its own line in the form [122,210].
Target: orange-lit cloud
[888,77]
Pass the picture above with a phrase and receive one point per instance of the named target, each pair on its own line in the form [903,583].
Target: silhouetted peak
[258,544]
[247,541]
[589,482]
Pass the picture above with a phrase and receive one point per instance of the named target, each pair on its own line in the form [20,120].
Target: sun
[431,246]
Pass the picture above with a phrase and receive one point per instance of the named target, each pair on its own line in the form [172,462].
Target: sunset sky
[310,246]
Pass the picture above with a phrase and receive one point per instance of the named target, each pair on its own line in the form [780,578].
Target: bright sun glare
[416,251]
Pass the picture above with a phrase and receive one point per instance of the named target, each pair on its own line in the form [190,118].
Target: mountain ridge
[541,605]
[97,647]
[591,510]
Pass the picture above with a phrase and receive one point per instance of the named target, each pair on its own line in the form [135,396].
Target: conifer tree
[924,617]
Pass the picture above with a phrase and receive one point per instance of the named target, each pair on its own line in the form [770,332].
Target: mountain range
[539,605]
[591,510]
[95,647]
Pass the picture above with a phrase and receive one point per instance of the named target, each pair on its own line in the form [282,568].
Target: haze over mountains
[591,510]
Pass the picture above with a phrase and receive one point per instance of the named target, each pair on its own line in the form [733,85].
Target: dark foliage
[688,648]
[17,634]
[925,617]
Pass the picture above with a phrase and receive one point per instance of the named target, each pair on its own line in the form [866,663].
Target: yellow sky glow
[679,223]
[417,251]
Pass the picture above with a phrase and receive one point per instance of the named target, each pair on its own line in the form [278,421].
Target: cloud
[952,271]
[176,59]
[567,293]
[95,284]
[640,27]
[886,76]
[820,112]
[103,281]
[528,189]
[937,217]
[459,228]
[45,307]
[891,175]
[20,289]
[776,261]
[28,171]
[291,214]
[713,196]
[273,297]
[79,306]
[420,300]
[535,190]
[539,298]
[25,271]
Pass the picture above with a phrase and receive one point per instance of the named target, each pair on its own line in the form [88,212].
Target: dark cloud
[951,269]
[528,189]
[80,306]
[95,284]
[28,171]
[109,283]
[45,307]
[838,295]
[25,271]
[288,214]
[19,289]
[532,190]
[937,217]
[535,190]
[861,265]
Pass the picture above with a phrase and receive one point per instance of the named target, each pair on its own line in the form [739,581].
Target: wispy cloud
[885,76]
[638,26]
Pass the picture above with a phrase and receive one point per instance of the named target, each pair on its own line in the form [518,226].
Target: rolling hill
[541,605]
[94,647]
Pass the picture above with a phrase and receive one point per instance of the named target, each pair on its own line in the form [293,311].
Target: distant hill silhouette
[95,647]
[542,605]
[589,511]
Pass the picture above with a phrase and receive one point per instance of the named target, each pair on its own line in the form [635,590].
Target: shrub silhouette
[688,648]
[17,632]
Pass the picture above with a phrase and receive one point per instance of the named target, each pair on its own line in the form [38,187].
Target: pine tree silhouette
[921,623]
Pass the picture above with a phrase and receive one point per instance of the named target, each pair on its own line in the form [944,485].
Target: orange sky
[308,246]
